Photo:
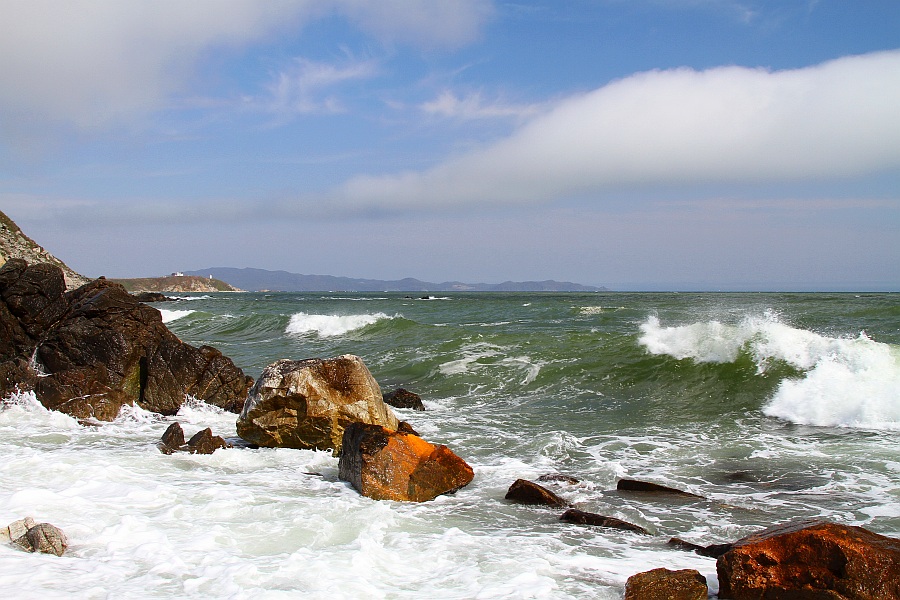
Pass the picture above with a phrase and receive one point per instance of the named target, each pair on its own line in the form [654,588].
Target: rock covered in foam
[307,404]
[390,465]
[811,559]
[27,535]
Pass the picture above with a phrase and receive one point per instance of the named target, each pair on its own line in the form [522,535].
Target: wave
[845,382]
[173,315]
[331,325]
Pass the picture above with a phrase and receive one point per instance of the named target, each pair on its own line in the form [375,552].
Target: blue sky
[636,144]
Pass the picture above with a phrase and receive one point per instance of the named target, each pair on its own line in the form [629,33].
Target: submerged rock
[401,398]
[663,584]
[811,559]
[712,551]
[580,517]
[390,465]
[307,404]
[634,485]
[523,491]
[90,351]
[560,478]
[202,442]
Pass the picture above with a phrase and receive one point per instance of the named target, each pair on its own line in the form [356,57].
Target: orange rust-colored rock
[390,465]
[812,560]
[663,584]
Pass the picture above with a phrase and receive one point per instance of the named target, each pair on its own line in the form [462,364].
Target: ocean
[771,406]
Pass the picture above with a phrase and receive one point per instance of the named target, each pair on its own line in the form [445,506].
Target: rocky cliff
[175,283]
[15,244]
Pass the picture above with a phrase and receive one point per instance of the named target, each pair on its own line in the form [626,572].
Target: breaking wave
[846,382]
[331,325]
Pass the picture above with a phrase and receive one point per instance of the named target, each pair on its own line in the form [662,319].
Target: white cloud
[95,63]
[729,124]
[303,87]
[472,107]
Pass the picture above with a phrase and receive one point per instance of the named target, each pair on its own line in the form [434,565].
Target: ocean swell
[330,325]
[847,382]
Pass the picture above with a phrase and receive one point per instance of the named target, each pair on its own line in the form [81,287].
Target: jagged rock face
[307,404]
[15,244]
[389,465]
[90,351]
[814,559]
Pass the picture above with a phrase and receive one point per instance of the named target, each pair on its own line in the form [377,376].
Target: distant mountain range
[283,281]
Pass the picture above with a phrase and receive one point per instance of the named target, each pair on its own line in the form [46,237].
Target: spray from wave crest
[848,382]
[331,325]
[173,315]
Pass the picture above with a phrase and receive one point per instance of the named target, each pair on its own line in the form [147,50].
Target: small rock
[172,440]
[663,584]
[204,442]
[48,539]
[401,398]
[523,491]
[712,551]
[580,517]
[559,477]
[17,529]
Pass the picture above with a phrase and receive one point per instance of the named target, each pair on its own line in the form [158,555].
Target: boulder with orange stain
[811,559]
[390,465]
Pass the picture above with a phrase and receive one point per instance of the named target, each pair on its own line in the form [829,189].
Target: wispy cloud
[305,87]
[473,106]
[676,127]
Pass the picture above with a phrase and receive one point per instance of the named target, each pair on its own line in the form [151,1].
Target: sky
[631,144]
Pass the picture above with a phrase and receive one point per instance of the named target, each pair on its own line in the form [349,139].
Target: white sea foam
[852,382]
[173,315]
[331,325]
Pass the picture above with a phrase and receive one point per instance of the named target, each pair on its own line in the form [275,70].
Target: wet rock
[405,427]
[48,539]
[811,560]
[523,491]
[390,465]
[151,297]
[17,529]
[712,551]
[634,485]
[559,477]
[91,351]
[663,584]
[401,398]
[580,517]
[204,442]
[307,404]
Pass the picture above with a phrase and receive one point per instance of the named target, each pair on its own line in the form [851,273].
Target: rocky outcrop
[306,404]
[389,465]
[402,398]
[523,491]
[92,350]
[36,537]
[663,584]
[712,550]
[580,517]
[811,559]
[176,283]
[15,244]
[202,442]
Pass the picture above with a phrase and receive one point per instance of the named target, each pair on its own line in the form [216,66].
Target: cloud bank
[675,127]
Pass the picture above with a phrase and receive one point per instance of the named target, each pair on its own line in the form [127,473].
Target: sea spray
[331,325]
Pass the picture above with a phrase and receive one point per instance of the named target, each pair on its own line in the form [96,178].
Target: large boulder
[90,351]
[811,560]
[307,404]
[390,465]
[664,584]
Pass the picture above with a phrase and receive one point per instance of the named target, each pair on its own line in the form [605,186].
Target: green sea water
[772,407]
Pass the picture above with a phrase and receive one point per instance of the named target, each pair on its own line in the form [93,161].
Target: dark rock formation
[389,465]
[712,551]
[151,297]
[202,442]
[307,404]
[633,485]
[580,517]
[401,398]
[663,584]
[811,560]
[90,351]
[523,491]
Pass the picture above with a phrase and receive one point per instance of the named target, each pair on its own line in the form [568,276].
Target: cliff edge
[15,244]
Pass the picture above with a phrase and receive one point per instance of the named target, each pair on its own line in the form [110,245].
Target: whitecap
[331,325]
[173,315]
